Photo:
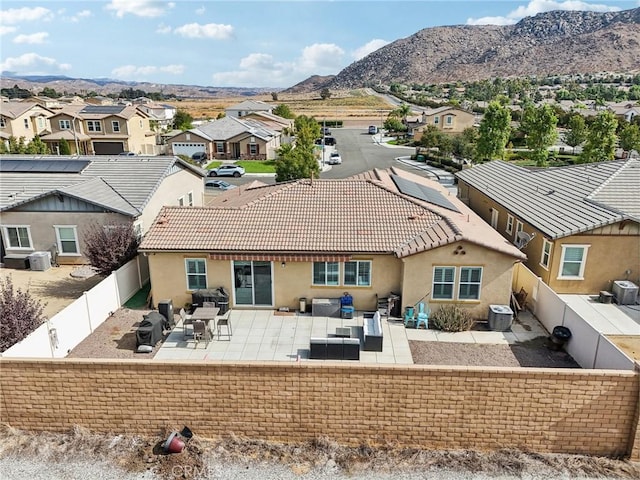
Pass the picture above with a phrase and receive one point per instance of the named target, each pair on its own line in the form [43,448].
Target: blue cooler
[346,311]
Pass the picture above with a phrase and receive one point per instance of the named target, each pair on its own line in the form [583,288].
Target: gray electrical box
[625,292]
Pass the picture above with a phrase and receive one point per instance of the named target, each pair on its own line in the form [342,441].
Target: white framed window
[572,262]
[137,229]
[2,123]
[187,136]
[64,124]
[509,228]
[67,240]
[443,281]
[190,199]
[253,149]
[326,273]
[196,270]
[495,215]
[181,201]
[357,273]
[219,147]
[18,237]
[94,126]
[519,228]
[26,123]
[436,120]
[449,119]
[40,122]
[546,253]
[470,281]
[115,126]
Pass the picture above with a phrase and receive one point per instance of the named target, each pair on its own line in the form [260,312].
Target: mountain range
[551,43]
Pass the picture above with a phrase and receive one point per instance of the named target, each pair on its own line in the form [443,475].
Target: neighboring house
[625,111]
[379,232]
[47,202]
[118,128]
[446,119]
[580,224]
[229,138]
[68,124]
[161,113]
[243,109]
[23,119]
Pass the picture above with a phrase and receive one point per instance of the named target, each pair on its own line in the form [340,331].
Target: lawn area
[250,166]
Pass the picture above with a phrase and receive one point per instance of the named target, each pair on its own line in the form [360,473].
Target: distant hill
[552,43]
[104,86]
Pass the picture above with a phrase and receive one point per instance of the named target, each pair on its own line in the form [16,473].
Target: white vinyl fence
[587,346]
[66,329]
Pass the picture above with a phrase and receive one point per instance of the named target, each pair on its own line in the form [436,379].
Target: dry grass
[342,105]
[137,454]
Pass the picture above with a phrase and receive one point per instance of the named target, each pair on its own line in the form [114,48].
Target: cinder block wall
[544,410]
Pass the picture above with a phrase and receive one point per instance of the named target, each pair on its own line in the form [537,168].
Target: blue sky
[231,43]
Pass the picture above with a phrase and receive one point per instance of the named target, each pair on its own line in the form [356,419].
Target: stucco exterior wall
[613,249]
[495,289]
[590,412]
[170,190]
[43,233]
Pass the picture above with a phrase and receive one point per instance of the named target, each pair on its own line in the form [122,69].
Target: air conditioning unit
[500,317]
[40,261]
[626,292]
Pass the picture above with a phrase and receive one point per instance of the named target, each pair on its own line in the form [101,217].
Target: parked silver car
[227,171]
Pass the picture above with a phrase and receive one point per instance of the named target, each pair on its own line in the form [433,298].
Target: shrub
[452,318]
[20,314]
[110,246]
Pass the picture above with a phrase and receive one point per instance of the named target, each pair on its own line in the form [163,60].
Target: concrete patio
[273,336]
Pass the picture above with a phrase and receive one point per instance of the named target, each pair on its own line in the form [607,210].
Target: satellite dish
[522,239]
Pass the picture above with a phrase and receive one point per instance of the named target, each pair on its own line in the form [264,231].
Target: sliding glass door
[253,283]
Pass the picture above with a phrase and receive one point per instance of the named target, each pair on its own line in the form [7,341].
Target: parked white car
[335,159]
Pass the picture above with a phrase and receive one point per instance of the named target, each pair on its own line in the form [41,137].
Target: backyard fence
[587,346]
[61,333]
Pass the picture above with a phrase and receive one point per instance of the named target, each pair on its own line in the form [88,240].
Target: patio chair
[184,316]
[200,332]
[423,315]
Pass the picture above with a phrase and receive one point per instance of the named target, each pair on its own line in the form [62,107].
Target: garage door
[188,149]
[108,148]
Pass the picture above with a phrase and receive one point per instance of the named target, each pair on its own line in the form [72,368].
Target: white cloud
[210,30]
[80,15]
[163,29]
[368,47]
[321,59]
[25,14]
[256,68]
[33,38]
[33,64]
[145,72]
[201,10]
[140,8]
[7,30]
[538,6]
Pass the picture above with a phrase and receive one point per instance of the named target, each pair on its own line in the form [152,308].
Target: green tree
[295,163]
[539,125]
[577,131]
[36,147]
[50,93]
[464,144]
[283,111]
[431,137]
[182,120]
[63,147]
[601,139]
[307,130]
[630,137]
[493,133]
[274,96]
[325,94]
[394,125]
[402,112]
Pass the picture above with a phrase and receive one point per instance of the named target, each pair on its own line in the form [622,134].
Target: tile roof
[229,127]
[363,214]
[251,105]
[123,184]
[562,201]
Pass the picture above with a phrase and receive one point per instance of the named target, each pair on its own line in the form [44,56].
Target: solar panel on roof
[100,109]
[422,192]
[43,166]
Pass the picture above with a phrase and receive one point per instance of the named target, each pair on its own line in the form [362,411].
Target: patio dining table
[206,314]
